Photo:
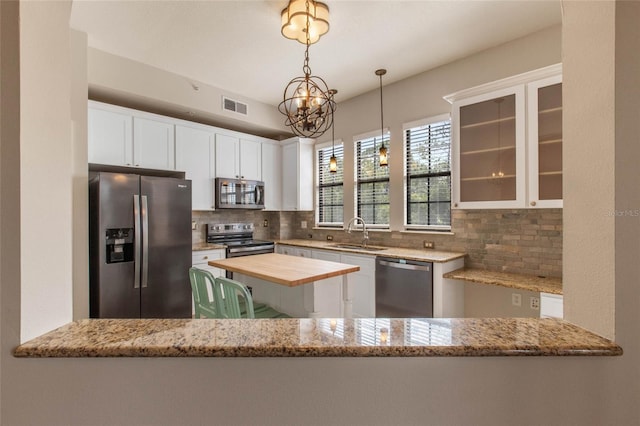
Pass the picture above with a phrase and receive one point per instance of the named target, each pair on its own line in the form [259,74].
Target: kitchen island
[285,271]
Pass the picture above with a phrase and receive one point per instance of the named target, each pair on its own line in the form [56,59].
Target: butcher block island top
[283,269]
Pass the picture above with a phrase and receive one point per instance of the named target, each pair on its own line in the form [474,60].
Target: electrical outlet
[428,244]
[516,299]
[534,303]
[303,224]
[265,223]
[329,237]
[194,225]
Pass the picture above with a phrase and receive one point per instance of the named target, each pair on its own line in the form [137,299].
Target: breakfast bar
[291,272]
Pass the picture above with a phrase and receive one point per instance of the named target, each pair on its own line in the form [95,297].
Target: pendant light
[383,150]
[333,161]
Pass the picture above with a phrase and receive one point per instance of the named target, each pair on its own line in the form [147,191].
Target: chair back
[202,286]
[230,304]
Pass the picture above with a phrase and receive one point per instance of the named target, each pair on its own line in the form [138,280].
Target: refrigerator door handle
[145,242]
[136,232]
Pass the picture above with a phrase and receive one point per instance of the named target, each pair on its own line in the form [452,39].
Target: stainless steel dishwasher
[404,288]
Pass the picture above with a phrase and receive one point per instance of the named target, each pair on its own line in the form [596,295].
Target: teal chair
[231,299]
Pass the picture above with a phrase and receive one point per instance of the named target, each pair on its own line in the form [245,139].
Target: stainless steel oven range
[238,237]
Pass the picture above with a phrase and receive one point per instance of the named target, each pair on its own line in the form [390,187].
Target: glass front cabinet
[507,143]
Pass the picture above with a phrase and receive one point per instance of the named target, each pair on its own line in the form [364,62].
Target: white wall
[399,391]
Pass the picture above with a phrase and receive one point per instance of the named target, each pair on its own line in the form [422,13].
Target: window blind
[330,188]
[372,182]
[428,174]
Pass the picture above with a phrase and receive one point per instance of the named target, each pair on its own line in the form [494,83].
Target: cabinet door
[290,177]
[297,176]
[545,142]
[227,156]
[110,137]
[327,294]
[272,176]
[153,143]
[362,285]
[250,160]
[489,150]
[195,151]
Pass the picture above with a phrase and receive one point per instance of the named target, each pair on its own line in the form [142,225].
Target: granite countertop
[322,337]
[551,285]
[207,246]
[426,255]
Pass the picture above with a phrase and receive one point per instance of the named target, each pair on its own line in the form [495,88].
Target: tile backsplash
[527,241]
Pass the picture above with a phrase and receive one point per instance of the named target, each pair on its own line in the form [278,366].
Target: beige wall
[421,96]
[46,161]
[399,391]
[121,81]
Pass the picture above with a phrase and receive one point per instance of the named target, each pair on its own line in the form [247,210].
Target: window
[372,181]
[329,191]
[428,173]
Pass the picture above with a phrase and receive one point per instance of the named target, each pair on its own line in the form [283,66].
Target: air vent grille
[234,106]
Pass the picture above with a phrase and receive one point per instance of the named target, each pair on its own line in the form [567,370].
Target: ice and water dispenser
[119,245]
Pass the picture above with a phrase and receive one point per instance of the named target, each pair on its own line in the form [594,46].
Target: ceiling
[237,45]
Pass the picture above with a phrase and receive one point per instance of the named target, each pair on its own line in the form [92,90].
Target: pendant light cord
[381,114]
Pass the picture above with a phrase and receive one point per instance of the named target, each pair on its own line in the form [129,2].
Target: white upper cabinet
[119,137]
[297,174]
[507,142]
[238,158]
[272,175]
[153,144]
[489,148]
[110,137]
[195,155]
[545,142]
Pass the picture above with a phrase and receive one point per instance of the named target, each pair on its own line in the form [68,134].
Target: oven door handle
[249,249]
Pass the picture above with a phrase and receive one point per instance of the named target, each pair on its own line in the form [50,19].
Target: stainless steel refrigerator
[140,246]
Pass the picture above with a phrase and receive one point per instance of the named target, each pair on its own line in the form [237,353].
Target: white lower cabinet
[327,294]
[362,284]
[551,305]
[324,298]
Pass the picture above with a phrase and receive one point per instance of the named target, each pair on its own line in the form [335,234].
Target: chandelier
[294,20]
[308,103]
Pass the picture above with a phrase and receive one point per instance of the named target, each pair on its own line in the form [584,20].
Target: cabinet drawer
[204,256]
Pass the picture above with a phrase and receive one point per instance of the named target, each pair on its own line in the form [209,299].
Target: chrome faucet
[365,233]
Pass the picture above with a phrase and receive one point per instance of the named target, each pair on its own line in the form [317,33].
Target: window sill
[426,231]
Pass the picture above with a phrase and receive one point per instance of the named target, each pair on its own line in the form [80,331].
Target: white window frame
[318,147]
[385,133]
[408,126]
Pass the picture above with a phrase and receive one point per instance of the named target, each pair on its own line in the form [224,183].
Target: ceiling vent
[234,106]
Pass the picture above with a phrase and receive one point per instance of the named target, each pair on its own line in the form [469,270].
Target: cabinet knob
[455,204]
[128,164]
[205,257]
[242,177]
[533,203]
[137,165]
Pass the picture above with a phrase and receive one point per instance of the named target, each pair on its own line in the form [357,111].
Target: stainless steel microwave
[239,194]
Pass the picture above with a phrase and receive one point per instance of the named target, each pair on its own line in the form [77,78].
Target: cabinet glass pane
[488,150]
[550,142]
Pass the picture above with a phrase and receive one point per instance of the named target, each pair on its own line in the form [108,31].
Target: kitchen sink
[358,247]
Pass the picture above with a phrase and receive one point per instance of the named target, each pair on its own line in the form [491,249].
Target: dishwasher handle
[409,266]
